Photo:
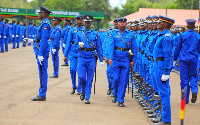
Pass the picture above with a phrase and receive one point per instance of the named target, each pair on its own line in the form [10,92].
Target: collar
[191,31]
[44,21]
[88,31]
[57,26]
[118,30]
[165,31]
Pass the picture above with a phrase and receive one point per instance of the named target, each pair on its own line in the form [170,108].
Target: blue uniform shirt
[116,41]
[56,35]
[18,29]
[163,48]
[6,30]
[1,28]
[65,33]
[13,29]
[188,47]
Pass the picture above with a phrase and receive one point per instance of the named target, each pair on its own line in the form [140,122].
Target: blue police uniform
[6,36]
[17,38]
[65,36]
[188,48]
[13,32]
[86,59]
[72,52]
[118,52]
[10,33]
[162,55]
[2,36]
[24,35]
[30,28]
[55,39]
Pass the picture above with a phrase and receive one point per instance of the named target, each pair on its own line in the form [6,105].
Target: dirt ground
[19,81]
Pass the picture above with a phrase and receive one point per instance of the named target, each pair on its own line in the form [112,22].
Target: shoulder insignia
[58,31]
[45,28]
[167,34]
[46,22]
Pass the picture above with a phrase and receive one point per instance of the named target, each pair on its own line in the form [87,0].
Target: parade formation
[139,56]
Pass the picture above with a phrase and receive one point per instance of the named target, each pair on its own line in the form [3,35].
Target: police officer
[24,34]
[6,34]
[17,38]
[30,28]
[88,43]
[1,34]
[55,46]
[188,48]
[162,55]
[64,38]
[72,52]
[43,35]
[13,33]
[122,54]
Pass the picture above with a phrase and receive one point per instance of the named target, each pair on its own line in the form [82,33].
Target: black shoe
[73,90]
[154,115]
[114,99]
[82,97]
[12,48]
[6,51]
[194,97]
[112,94]
[151,111]
[121,104]
[78,93]
[17,47]
[87,101]
[163,123]
[38,98]
[2,52]
[53,76]
[65,64]
[108,91]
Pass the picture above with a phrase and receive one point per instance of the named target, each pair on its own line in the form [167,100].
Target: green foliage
[186,4]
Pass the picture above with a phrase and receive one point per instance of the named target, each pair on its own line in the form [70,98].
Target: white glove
[13,36]
[29,35]
[174,63]
[17,35]
[101,64]
[81,44]
[23,36]
[54,51]
[64,45]
[33,35]
[0,36]
[40,58]
[4,37]
[30,41]
[164,78]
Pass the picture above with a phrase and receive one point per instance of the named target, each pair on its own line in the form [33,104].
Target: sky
[113,3]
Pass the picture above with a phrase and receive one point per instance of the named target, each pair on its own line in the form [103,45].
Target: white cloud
[115,3]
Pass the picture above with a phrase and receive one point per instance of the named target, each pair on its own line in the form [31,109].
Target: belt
[52,38]
[121,49]
[72,42]
[142,51]
[160,59]
[88,49]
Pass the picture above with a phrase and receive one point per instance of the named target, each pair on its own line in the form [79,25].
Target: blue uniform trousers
[44,79]
[164,91]
[188,74]
[63,50]
[73,69]
[14,42]
[17,40]
[86,69]
[120,78]
[55,59]
[6,43]
[24,43]
[109,72]
[2,43]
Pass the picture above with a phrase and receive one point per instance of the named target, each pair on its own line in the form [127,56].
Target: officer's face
[66,23]
[41,15]
[122,25]
[79,22]
[56,22]
[116,25]
[87,24]
[160,25]
[155,25]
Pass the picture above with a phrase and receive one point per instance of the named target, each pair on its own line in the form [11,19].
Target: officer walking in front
[162,55]
[13,33]
[188,48]
[121,54]
[43,35]
[6,34]
[72,52]
[55,46]
[17,38]
[1,34]
[88,43]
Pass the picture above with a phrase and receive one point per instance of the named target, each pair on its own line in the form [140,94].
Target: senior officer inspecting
[88,43]
[43,35]
[122,54]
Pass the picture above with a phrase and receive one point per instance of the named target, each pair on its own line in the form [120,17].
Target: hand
[174,63]
[54,51]
[64,45]
[23,36]
[17,35]
[101,64]
[164,77]
[4,37]
[81,44]
[106,60]
[65,59]
[110,61]
[132,64]
[13,36]
[40,58]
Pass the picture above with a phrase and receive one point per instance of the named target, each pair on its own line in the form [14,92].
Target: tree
[186,4]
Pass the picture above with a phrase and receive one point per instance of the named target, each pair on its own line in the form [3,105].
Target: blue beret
[79,17]
[44,10]
[88,18]
[123,19]
[66,20]
[191,21]
[115,20]
[6,20]
[166,19]
[29,22]
[57,18]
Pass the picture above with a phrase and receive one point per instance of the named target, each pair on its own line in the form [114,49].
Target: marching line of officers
[146,47]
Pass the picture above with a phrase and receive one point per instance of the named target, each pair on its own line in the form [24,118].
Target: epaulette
[167,34]
[46,21]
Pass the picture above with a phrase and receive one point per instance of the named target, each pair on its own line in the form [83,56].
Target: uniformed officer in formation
[42,53]
[64,38]
[55,45]
[13,34]
[188,48]
[89,46]
[1,34]
[71,52]
[17,38]
[6,34]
